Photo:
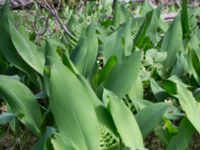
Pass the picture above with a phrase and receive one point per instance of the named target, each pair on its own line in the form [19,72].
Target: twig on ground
[51,9]
[42,32]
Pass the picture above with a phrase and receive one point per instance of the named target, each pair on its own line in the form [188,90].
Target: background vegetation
[96,75]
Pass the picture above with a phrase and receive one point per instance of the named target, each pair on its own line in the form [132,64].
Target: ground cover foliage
[106,76]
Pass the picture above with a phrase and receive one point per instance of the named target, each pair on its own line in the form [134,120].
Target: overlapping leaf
[66,93]
[123,76]
[22,102]
[150,115]
[119,42]
[7,47]
[17,49]
[172,43]
[189,105]
[79,101]
[85,53]
[125,122]
[182,138]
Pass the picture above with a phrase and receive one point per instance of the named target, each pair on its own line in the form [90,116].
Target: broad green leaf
[189,105]
[139,104]
[106,70]
[27,50]
[185,19]
[153,26]
[147,29]
[78,55]
[60,142]
[7,47]
[84,55]
[146,7]
[57,52]
[67,62]
[195,61]
[123,76]
[51,57]
[159,93]
[58,46]
[121,13]
[103,115]
[172,43]
[125,123]
[182,138]
[119,42]
[192,68]
[116,13]
[136,92]
[141,35]
[194,41]
[92,49]
[182,66]
[149,117]
[66,93]
[127,37]
[163,135]
[22,102]
[125,13]
[170,86]
[163,25]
